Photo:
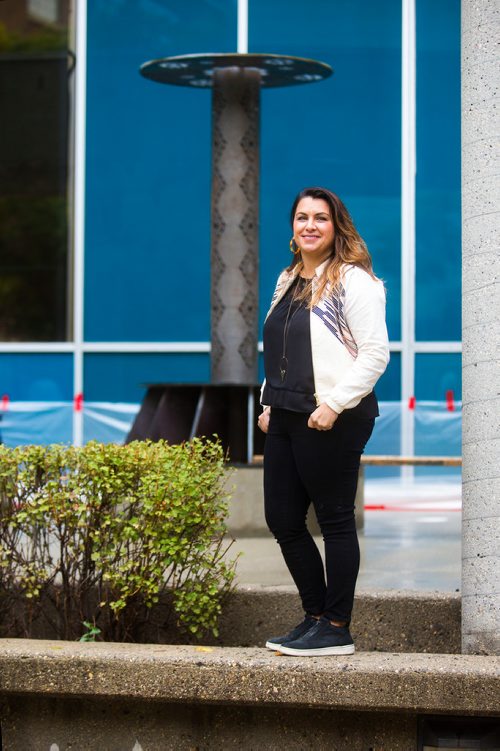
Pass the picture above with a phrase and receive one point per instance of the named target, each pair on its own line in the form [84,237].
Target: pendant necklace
[286,329]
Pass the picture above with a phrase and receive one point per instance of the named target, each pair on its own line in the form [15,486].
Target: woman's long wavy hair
[348,246]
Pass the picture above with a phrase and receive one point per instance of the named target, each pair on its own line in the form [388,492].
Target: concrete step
[364,681]
[383,620]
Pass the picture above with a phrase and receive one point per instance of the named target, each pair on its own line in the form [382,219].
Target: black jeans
[302,465]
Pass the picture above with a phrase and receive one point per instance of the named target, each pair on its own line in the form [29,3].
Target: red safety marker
[450,403]
[5,402]
[78,403]
[412,402]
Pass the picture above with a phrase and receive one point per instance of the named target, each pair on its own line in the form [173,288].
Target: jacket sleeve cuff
[262,394]
[334,405]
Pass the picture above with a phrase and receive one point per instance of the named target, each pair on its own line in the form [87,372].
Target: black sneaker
[321,639]
[295,633]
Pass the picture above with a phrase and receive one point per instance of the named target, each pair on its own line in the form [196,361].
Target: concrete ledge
[176,698]
[246,503]
[384,621]
[453,684]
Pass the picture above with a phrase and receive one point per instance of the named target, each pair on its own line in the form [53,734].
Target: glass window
[438,223]
[147,275]
[35,75]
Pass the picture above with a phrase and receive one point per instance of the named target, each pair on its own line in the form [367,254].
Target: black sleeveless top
[295,391]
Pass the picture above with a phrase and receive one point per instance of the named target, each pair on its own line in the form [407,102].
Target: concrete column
[481,329]
[235,224]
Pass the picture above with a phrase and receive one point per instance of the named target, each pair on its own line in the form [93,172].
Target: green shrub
[96,535]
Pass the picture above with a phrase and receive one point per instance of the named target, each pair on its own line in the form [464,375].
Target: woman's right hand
[263,421]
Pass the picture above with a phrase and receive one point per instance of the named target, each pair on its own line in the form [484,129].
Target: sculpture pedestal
[179,412]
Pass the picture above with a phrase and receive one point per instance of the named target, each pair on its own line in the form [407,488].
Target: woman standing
[325,347]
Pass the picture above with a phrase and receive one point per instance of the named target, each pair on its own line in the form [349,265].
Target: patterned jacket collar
[287,278]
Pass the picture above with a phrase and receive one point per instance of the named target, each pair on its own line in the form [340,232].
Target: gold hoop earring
[294,248]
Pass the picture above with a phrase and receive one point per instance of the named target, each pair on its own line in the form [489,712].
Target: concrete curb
[364,681]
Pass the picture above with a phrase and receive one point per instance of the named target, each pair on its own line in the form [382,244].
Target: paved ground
[413,542]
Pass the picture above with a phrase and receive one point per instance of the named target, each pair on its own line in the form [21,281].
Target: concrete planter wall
[149,697]
[61,695]
[383,621]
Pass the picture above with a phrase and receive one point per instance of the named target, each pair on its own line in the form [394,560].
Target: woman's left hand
[322,418]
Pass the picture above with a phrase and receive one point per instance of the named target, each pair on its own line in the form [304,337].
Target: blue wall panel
[435,374]
[37,377]
[122,377]
[343,133]
[438,223]
[148,171]
[388,387]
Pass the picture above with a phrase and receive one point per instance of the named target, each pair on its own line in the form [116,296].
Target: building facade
[105,196]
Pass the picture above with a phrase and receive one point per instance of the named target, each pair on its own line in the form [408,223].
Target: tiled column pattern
[481,328]
[235,220]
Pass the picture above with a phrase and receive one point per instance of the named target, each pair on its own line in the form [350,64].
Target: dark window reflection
[34,140]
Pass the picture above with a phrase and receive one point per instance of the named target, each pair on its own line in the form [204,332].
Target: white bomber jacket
[349,342]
